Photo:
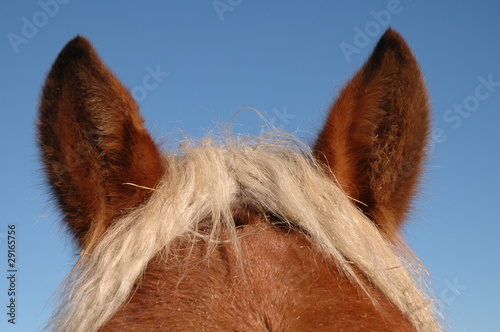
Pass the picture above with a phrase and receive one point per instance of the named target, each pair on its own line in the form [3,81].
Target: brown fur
[93,141]
[375,136]
[286,284]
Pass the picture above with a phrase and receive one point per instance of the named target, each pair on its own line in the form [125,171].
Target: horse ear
[92,142]
[375,136]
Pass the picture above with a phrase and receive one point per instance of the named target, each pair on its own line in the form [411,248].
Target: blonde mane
[208,181]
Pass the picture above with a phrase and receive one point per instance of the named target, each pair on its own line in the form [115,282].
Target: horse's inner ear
[375,135]
[93,141]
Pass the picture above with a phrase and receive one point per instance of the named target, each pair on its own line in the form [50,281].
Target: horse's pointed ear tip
[392,37]
[78,42]
[76,47]
[391,33]
[393,42]
[75,50]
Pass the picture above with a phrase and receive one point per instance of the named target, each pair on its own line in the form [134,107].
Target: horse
[239,233]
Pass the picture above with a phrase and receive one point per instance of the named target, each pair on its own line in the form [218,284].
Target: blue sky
[284,59]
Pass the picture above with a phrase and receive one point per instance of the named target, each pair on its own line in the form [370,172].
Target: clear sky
[286,59]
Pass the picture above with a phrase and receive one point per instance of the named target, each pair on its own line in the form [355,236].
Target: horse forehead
[284,282]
